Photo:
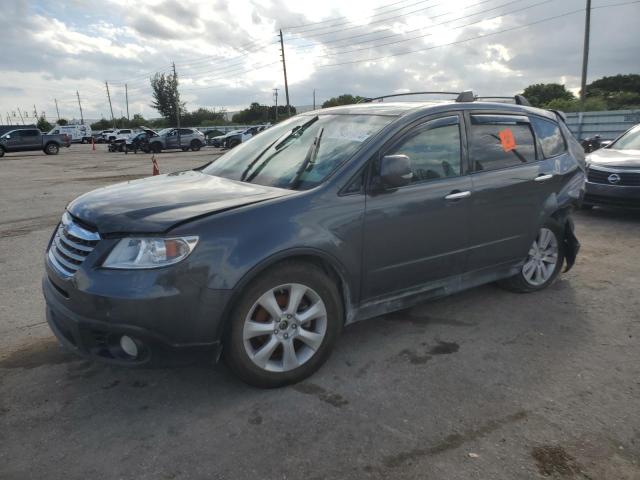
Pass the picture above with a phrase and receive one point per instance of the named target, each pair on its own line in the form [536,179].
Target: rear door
[510,184]
[30,139]
[419,233]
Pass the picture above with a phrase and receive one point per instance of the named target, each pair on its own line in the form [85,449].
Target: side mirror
[7,137]
[395,171]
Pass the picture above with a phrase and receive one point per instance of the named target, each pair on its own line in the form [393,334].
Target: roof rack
[517,99]
[466,96]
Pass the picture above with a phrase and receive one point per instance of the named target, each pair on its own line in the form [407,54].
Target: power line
[457,42]
[369,23]
[333,19]
[475,22]
[350,43]
[348,22]
[325,42]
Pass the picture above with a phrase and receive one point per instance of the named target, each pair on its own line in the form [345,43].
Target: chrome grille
[71,244]
[625,178]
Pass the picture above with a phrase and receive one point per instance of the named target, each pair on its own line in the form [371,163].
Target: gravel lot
[482,385]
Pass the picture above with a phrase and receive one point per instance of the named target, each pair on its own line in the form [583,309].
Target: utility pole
[113,120]
[57,111]
[585,52]
[80,105]
[20,113]
[284,67]
[175,81]
[314,98]
[35,112]
[126,96]
[275,95]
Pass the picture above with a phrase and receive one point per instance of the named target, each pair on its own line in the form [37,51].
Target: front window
[298,153]
[628,141]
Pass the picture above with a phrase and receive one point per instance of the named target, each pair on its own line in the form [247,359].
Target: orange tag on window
[507,140]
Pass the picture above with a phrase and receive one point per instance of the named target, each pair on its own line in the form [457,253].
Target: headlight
[149,252]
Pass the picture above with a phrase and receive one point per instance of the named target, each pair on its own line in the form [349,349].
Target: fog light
[129,346]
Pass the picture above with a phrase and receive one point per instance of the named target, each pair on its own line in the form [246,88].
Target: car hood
[610,157]
[155,204]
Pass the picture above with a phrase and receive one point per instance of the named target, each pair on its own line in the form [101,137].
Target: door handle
[458,195]
[543,177]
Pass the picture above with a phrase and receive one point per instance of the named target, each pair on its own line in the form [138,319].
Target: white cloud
[216,46]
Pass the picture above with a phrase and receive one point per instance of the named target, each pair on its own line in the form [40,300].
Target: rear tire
[543,263]
[234,143]
[51,149]
[270,343]
[195,145]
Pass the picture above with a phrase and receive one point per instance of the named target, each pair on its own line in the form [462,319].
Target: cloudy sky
[227,52]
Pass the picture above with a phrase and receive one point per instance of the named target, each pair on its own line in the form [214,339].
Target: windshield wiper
[299,130]
[309,161]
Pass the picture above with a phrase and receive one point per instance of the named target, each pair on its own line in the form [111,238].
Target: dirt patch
[553,460]
[37,354]
[452,441]
[109,178]
[16,228]
[444,348]
[312,389]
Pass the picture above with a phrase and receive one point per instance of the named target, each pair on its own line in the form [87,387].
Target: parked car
[108,135]
[77,133]
[32,139]
[139,141]
[613,172]
[168,138]
[328,218]
[234,139]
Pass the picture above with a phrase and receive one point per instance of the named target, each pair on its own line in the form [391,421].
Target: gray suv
[328,218]
[177,138]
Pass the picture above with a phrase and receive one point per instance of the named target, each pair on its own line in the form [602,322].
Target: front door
[417,234]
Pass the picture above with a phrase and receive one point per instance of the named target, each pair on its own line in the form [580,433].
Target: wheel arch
[329,264]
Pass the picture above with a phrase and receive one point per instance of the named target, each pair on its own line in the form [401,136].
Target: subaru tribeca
[328,218]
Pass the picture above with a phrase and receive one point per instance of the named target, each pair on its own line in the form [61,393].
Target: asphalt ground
[485,384]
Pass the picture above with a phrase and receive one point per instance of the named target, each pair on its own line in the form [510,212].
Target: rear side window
[29,133]
[500,141]
[433,148]
[548,133]
[185,131]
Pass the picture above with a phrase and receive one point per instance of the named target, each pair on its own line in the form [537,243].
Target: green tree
[257,113]
[137,121]
[540,94]
[344,99]
[102,124]
[618,91]
[43,125]
[166,96]
[62,122]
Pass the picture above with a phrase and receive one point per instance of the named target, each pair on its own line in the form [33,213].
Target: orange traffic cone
[93,144]
[156,170]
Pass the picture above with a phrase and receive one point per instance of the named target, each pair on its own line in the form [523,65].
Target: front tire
[284,326]
[195,145]
[1,152]
[543,262]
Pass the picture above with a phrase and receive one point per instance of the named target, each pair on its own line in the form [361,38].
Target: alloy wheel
[542,259]
[285,327]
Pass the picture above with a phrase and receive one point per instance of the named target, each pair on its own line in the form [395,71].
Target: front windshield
[298,153]
[629,141]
